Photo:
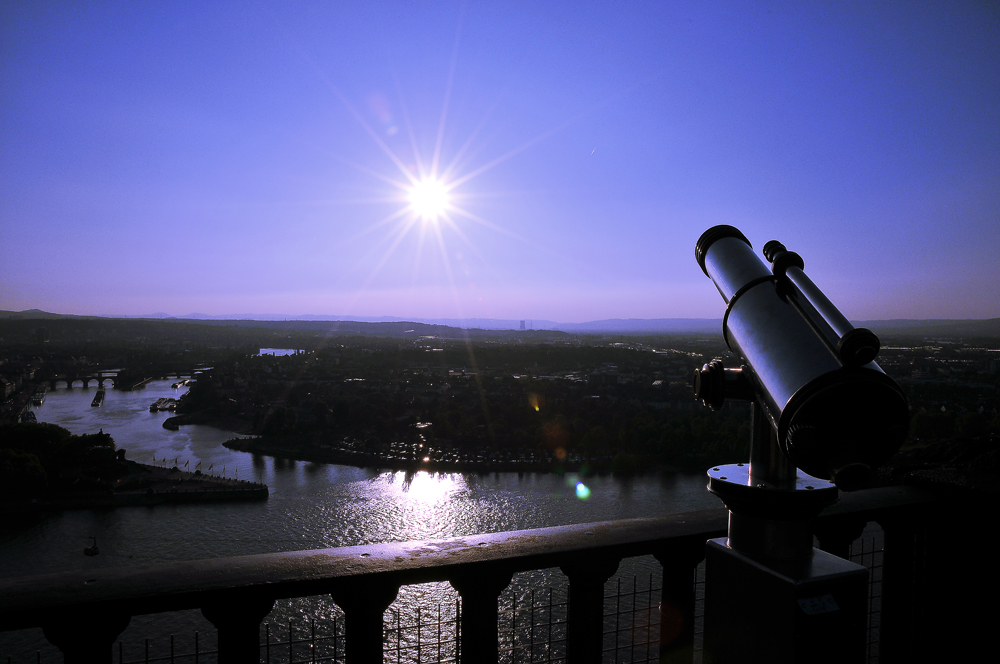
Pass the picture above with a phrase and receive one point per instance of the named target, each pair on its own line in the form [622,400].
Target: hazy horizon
[538,323]
[515,161]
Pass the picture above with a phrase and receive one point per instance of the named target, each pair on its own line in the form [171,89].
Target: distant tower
[522,324]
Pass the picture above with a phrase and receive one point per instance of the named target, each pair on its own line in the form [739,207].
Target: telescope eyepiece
[781,258]
[708,384]
[784,260]
[713,384]
[858,347]
[772,248]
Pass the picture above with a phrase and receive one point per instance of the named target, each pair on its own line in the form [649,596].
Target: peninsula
[44,467]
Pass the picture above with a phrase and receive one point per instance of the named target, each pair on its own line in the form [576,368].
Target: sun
[429,199]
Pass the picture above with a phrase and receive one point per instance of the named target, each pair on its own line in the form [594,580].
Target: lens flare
[582,491]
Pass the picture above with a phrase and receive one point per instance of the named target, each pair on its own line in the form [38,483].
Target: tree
[21,475]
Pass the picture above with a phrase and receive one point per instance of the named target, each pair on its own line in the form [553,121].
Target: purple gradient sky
[229,158]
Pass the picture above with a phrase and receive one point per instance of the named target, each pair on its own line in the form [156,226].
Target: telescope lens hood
[812,447]
[849,423]
[711,235]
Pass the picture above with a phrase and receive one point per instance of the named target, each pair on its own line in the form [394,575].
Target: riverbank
[147,486]
[299,452]
[209,419]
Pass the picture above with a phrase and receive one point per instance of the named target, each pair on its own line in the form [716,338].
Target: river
[310,506]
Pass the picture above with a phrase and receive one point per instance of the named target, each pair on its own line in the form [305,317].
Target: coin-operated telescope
[824,416]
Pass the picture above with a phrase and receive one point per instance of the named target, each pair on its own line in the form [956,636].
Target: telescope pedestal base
[806,611]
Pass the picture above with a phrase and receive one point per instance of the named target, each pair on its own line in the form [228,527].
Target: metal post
[768,464]
[531,629]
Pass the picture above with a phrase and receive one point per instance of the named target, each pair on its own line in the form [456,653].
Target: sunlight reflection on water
[310,506]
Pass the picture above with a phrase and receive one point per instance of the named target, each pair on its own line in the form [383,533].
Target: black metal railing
[84,612]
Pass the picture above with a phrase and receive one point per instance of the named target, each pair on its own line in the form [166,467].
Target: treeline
[387,399]
[953,411]
[40,460]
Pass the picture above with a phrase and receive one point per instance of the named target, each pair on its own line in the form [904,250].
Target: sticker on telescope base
[815,605]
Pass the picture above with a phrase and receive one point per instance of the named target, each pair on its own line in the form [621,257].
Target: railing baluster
[906,602]
[237,619]
[677,600]
[585,616]
[836,534]
[479,590]
[85,636]
[363,603]
[899,634]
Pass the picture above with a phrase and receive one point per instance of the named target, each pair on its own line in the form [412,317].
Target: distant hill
[613,325]
[37,314]
[393,326]
[988,327]
[646,326]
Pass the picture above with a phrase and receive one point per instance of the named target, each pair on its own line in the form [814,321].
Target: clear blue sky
[241,157]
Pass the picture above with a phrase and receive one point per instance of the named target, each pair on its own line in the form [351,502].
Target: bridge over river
[127,378]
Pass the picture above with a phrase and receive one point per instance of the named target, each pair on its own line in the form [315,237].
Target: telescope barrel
[733,263]
[855,346]
[830,314]
[836,414]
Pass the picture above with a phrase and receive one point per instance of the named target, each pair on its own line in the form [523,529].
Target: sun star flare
[429,199]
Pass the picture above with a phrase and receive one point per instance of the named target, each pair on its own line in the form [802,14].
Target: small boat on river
[98,399]
[163,403]
[38,398]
